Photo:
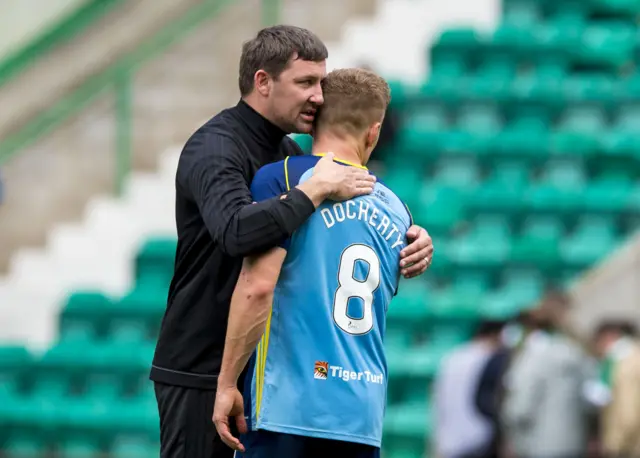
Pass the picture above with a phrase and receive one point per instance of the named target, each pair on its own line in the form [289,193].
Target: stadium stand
[519,153]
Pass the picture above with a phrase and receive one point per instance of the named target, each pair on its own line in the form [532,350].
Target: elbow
[231,247]
[258,292]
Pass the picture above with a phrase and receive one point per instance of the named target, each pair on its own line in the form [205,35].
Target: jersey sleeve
[271,181]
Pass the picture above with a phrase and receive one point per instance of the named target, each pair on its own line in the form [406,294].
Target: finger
[417,257]
[365,184]
[416,269]
[422,241]
[365,180]
[362,173]
[414,231]
[222,426]
[241,423]
[363,191]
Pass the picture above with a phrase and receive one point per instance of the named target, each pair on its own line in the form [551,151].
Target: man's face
[604,341]
[296,94]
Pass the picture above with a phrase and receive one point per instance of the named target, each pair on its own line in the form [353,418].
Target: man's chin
[303,127]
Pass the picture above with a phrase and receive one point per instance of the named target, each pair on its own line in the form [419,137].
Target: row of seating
[610,8]
[547,92]
[608,46]
[486,119]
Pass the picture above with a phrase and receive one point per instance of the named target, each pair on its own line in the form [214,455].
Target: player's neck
[343,150]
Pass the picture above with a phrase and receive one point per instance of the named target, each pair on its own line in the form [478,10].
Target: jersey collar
[353,164]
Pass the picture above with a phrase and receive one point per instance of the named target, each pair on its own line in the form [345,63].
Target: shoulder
[269,180]
[296,166]
[398,205]
[270,171]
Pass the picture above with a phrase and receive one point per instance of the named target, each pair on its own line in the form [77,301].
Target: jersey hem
[320,434]
[184,379]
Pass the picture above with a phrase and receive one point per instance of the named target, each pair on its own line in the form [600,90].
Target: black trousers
[186,425]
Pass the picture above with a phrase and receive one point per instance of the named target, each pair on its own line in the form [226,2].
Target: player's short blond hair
[354,99]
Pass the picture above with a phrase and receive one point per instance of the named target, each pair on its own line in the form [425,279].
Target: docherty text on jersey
[352,209]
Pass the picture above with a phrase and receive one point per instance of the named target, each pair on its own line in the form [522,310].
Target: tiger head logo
[321,370]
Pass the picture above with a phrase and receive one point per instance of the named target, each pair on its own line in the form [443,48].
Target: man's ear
[372,135]
[262,83]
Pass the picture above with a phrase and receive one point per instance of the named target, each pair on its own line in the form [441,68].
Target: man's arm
[250,308]
[215,176]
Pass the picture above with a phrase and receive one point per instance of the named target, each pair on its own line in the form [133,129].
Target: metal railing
[117,79]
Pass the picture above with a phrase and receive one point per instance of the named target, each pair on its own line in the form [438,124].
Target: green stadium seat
[407,314]
[404,180]
[487,245]
[126,447]
[154,263]
[519,290]
[407,427]
[608,193]
[633,202]
[479,119]
[306,141]
[503,190]
[584,119]
[79,447]
[605,48]
[84,315]
[457,40]
[459,302]
[524,139]
[15,363]
[521,13]
[629,8]
[440,209]
[458,173]
[24,445]
[593,238]
[409,305]
[560,190]
[538,242]
[579,144]
[622,143]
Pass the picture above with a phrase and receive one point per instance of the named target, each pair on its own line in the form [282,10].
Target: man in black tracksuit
[218,224]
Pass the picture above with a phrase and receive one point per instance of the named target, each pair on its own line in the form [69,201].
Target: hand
[343,182]
[416,258]
[229,403]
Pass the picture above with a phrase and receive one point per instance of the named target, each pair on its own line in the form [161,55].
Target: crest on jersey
[321,370]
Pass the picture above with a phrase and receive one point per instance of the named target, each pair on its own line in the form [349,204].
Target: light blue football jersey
[320,369]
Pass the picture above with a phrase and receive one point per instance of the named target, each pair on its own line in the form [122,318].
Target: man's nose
[317,98]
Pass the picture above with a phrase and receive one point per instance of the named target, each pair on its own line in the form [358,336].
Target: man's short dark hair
[272,49]
[490,328]
[624,327]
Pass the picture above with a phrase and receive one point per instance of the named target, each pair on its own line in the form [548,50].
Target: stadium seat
[85,314]
[154,263]
[538,242]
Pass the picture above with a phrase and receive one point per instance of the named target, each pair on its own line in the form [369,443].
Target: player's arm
[212,171]
[250,308]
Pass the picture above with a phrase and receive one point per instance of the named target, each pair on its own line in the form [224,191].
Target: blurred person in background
[490,392]
[462,430]
[545,413]
[617,345]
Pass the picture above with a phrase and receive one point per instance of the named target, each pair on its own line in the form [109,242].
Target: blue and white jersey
[320,369]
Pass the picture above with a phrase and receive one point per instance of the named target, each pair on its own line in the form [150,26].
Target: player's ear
[372,135]
[262,83]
